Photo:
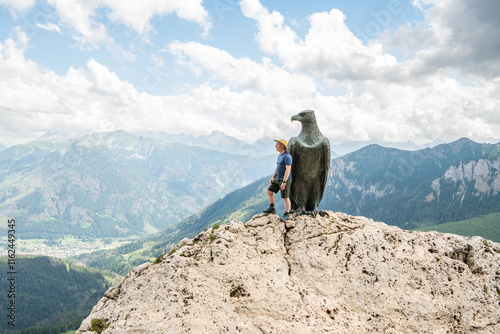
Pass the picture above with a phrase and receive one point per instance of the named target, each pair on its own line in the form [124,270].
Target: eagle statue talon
[307,213]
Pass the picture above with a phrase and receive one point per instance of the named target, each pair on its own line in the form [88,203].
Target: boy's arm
[288,169]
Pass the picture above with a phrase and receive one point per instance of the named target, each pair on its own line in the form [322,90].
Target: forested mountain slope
[50,292]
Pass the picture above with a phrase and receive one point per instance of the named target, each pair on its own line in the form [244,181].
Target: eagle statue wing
[291,150]
[326,164]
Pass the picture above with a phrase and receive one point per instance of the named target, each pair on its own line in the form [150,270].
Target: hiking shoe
[270,209]
[285,217]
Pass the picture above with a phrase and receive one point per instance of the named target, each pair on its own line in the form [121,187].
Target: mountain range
[215,141]
[222,142]
[449,182]
[385,184]
[119,184]
[115,184]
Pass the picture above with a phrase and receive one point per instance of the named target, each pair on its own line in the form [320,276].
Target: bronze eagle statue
[310,152]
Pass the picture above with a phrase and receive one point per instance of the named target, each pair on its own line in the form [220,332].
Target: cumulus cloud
[83,18]
[94,98]
[242,73]
[137,14]
[329,49]
[458,35]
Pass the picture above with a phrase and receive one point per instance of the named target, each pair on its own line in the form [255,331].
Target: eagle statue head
[304,117]
[309,126]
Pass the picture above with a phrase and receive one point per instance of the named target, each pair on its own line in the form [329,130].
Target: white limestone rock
[330,274]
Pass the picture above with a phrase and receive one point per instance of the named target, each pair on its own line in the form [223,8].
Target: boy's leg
[270,195]
[285,194]
[288,204]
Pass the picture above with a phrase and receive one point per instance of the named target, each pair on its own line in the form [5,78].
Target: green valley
[486,226]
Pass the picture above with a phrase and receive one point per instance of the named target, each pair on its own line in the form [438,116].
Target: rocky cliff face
[330,274]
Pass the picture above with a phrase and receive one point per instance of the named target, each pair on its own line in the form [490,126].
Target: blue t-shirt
[284,160]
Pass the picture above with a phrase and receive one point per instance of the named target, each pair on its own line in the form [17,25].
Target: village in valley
[67,247]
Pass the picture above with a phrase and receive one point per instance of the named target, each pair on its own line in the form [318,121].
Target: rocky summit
[332,273]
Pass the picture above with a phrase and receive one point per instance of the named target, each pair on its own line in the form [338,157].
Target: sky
[385,71]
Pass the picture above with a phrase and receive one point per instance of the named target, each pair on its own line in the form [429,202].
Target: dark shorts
[276,186]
